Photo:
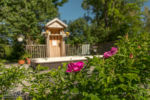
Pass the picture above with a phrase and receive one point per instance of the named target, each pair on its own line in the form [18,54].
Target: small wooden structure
[55,38]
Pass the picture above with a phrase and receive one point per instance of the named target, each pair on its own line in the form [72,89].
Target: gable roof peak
[56,20]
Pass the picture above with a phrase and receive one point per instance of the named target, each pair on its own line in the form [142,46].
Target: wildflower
[75,67]
[67,33]
[131,55]
[111,52]
[139,47]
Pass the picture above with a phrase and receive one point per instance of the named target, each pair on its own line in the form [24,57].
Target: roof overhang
[56,23]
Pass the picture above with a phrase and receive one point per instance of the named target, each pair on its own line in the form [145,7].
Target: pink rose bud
[139,47]
[131,55]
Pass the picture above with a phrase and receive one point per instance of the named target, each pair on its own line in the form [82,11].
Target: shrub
[41,68]
[10,77]
[7,51]
[122,76]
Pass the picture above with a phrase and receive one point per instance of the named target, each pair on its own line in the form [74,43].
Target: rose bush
[123,76]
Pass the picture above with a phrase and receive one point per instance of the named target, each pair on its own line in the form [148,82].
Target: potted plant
[25,58]
[21,61]
[28,61]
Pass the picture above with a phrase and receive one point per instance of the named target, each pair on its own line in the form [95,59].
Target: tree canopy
[26,17]
[80,31]
[147,19]
[111,18]
[107,19]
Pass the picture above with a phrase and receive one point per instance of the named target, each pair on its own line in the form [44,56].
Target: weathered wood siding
[55,46]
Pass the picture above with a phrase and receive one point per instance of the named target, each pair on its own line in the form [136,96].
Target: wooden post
[63,47]
[63,52]
[47,44]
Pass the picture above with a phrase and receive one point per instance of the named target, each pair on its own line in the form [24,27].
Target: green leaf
[19,98]
[94,97]
[75,90]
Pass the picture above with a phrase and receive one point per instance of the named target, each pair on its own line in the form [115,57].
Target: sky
[73,10]
[147,3]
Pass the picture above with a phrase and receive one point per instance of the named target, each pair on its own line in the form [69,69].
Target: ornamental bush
[124,75]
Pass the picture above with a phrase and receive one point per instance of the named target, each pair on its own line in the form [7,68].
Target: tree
[114,17]
[147,19]
[27,17]
[79,31]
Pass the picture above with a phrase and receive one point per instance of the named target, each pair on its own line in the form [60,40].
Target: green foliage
[147,19]
[25,55]
[19,98]
[18,51]
[7,51]
[10,77]
[113,18]
[120,77]
[80,32]
[26,17]
[41,68]
[45,86]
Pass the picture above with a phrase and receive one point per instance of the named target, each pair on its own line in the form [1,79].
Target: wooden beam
[47,45]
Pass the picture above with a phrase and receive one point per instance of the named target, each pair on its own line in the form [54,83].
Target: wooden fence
[77,50]
[36,51]
[39,51]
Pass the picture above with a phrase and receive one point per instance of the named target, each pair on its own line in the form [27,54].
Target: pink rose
[107,54]
[75,67]
[111,52]
[70,67]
